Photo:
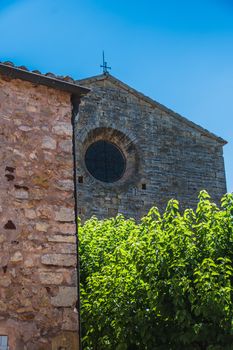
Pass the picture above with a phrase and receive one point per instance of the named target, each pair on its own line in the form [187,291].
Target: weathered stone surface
[63,129]
[3,306]
[45,211]
[35,236]
[59,259]
[25,128]
[67,185]
[16,257]
[66,146]
[48,143]
[66,340]
[29,262]
[47,277]
[35,143]
[31,109]
[67,229]
[66,297]
[30,213]
[70,318]
[5,281]
[2,238]
[42,226]
[64,248]
[61,238]
[21,194]
[65,214]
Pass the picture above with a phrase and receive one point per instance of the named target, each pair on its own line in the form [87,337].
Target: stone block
[16,257]
[29,262]
[62,129]
[48,143]
[3,306]
[59,259]
[65,215]
[25,128]
[67,185]
[70,320]
[47,277]
[30,213]
[5,281]
[66,146]
[65,340]
[64,248]
[45,211]
[61,238]
[2,238]
[67,229]
[37,193]
[66,297]
[42,226]
[31,109]
[21,194]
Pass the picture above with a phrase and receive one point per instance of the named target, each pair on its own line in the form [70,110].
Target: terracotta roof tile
[59,82]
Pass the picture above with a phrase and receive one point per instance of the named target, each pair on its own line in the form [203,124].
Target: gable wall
[174,160]
[37,237]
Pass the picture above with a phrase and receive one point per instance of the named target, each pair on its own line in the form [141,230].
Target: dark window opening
[143,186]
[80,179]
[105,161]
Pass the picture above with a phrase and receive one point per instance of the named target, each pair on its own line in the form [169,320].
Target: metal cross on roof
[105,66]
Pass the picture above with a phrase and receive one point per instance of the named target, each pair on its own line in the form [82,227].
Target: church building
[134,153]
[80,148]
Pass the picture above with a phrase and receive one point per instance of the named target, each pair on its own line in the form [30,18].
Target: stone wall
[169,158]
[38,288]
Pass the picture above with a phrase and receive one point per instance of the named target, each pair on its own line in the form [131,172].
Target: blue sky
[178,52]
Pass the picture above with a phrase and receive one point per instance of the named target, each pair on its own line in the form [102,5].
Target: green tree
[163,283]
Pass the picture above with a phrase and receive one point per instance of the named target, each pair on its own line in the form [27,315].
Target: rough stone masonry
[166,155]
[38,276]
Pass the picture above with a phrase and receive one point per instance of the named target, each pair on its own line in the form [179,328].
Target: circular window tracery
[105,161]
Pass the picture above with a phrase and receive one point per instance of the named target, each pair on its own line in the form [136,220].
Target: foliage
[164,283]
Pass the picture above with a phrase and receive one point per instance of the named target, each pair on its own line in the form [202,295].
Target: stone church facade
[166,155]
[68,148]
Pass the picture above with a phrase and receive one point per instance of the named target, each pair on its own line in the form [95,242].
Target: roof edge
[154,103]
[49,80]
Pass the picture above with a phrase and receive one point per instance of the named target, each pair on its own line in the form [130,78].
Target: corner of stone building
[38,254]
